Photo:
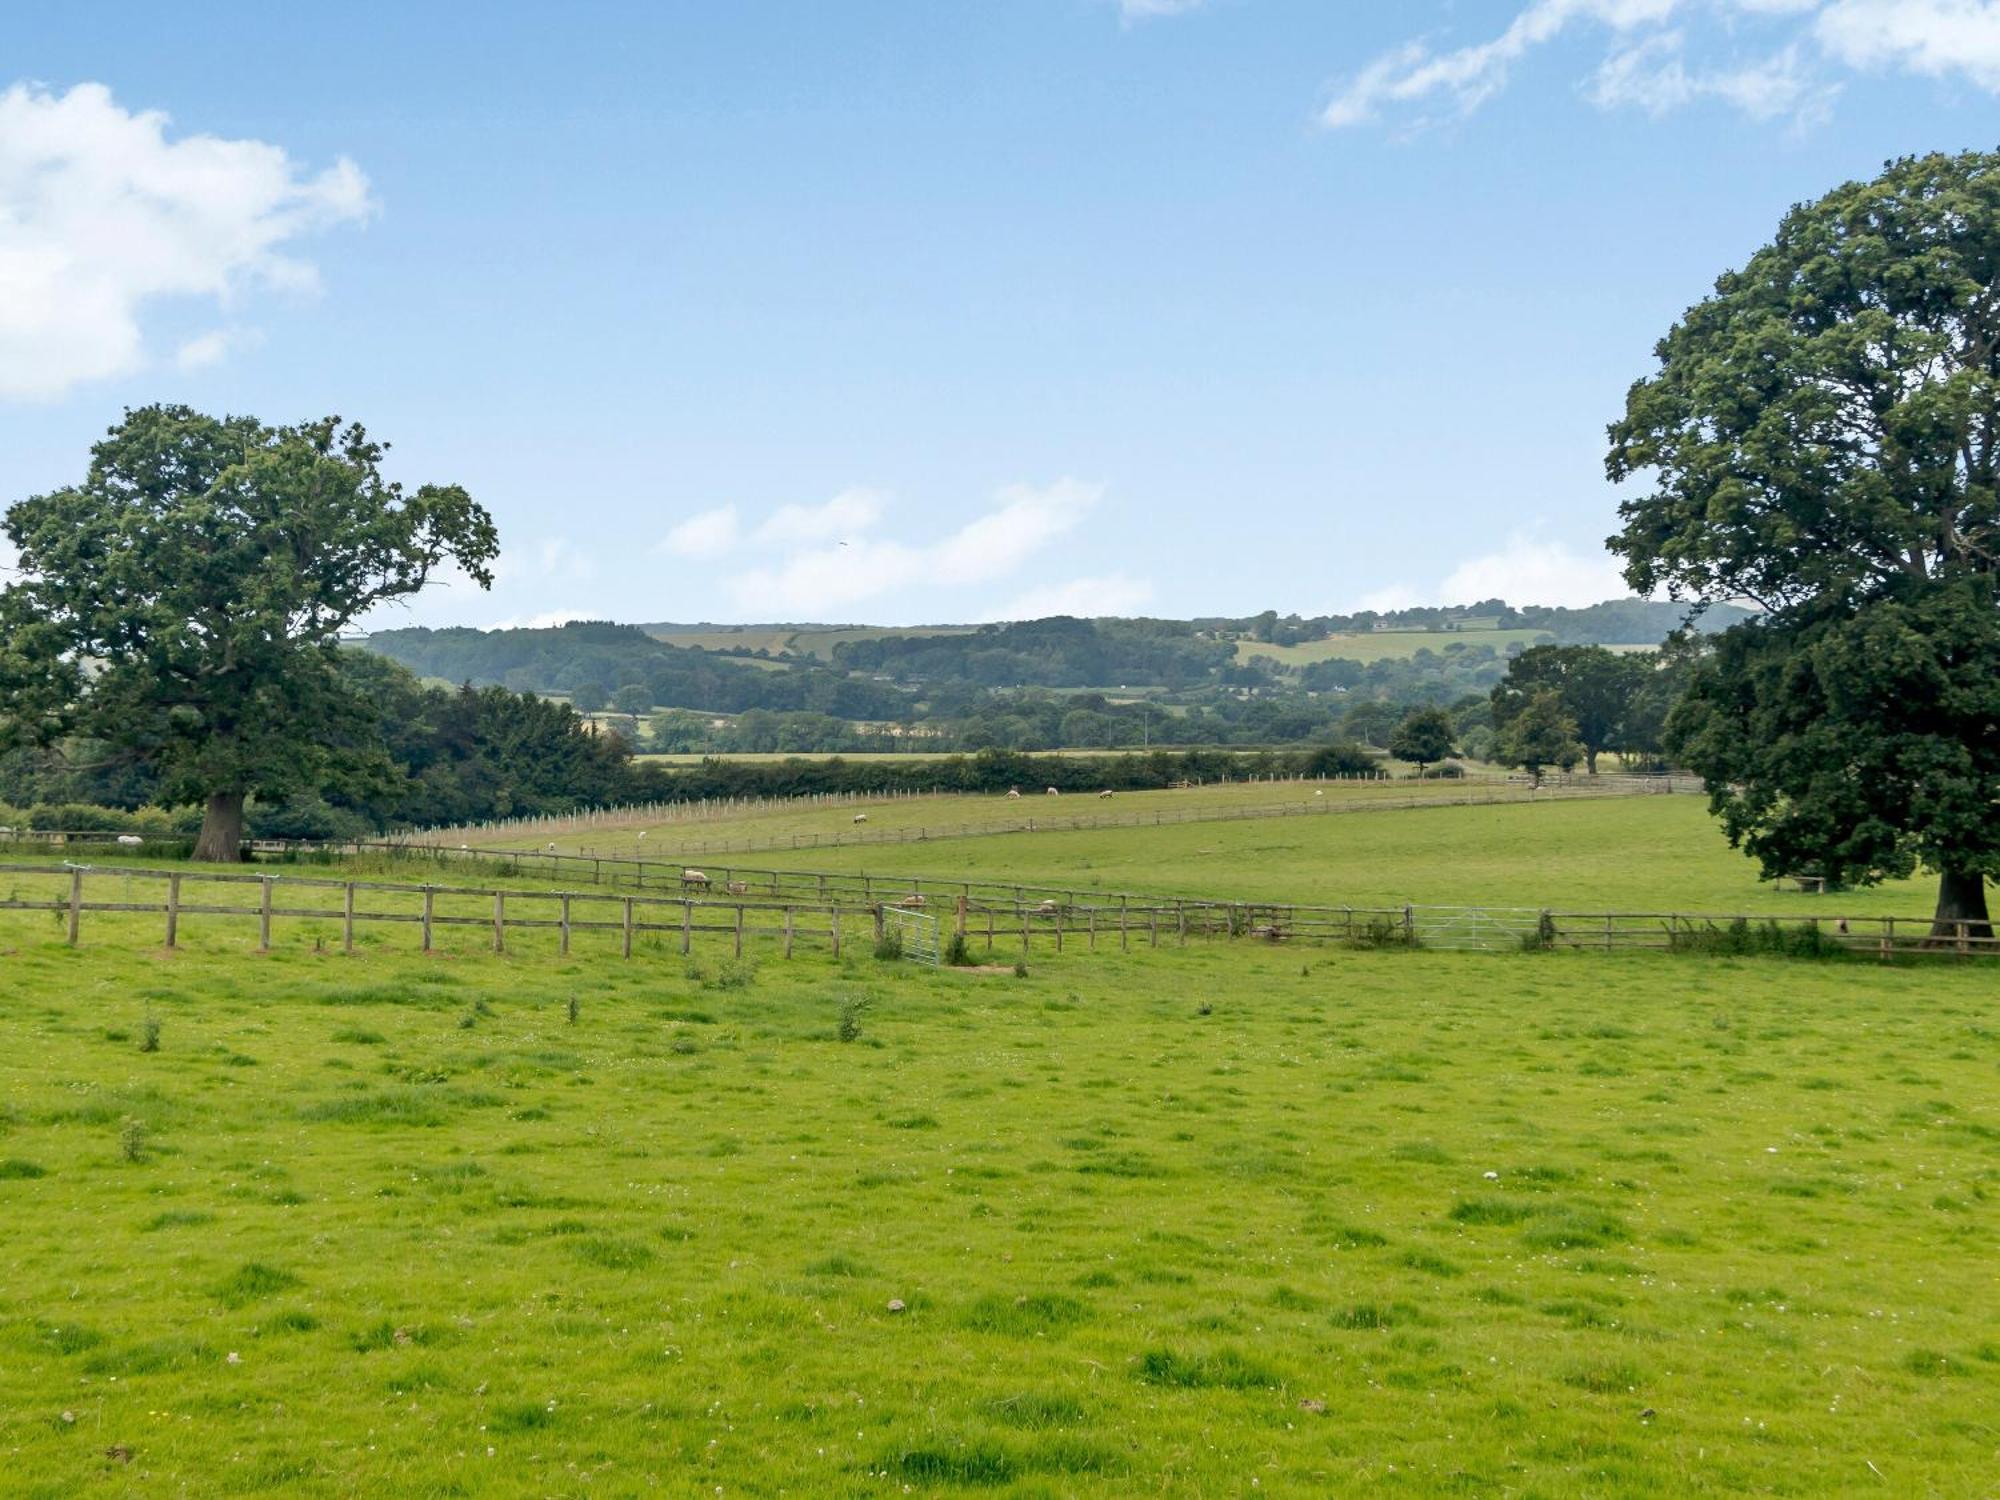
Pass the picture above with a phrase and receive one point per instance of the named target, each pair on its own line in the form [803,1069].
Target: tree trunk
[1589,760]
[1961,899]
[221,840]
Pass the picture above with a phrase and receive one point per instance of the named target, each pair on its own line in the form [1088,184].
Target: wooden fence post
[1059,929]
[75,905]
[429,905]
[347,920]
[264,914]
[836,930]
[1182,911]
[173,909]
[628,926]
[881,926]
[1124,937]
[739,930]
[499,921]
[1093,929]
[687,927]
[565,924]
[788,932]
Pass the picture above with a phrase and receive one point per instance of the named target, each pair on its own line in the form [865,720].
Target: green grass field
[1387,645]
[1638,854]
[1226,1220]
[817,642]
[949,815]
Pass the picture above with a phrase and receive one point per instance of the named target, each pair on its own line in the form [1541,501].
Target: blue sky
[1174,306]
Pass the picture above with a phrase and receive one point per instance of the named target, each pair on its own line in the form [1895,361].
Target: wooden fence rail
[987,922]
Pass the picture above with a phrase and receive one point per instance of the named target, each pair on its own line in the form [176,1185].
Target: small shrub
[1020,971]
[132,1139]
[14,1169]
[573,1009]
[889,947]
[1384,932]
[149,1035]
[850,1018]
[956,952]
[734,974]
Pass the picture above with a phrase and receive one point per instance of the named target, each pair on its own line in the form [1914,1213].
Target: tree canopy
[1821,438]
[182,605]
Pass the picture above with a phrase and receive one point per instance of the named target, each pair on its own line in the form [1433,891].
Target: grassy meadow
[953,815]
[1387,645]
[1229,1220]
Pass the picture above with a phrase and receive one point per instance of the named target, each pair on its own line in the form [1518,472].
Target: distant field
[1387,645]
[943,816]
[1222,1221]
[870,757]
[785,641]
[1640,854]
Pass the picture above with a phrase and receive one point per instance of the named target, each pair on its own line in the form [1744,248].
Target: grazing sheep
[642,833]
[1048,909]
[1103,794]
[1013,794]
[552,846]
[1054,792]
[694,880]
[861,817]
[130,840]
[739,887]
[912,902]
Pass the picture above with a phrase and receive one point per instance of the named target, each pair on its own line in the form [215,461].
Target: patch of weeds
[1603,1378]
[1361,1315]
[1430,1153]
[359,1036]
[292,1320]
[1020,971]
[889,946]
[522,1416]
[1035,1411]
[614,1254]
[733,974]
[15,1169]
[912,1122]
[132,1139]
[384,1334]
[1026,1316]
[1931,1362]
[149,1034]
[71,1338]
[1491,1211]
[969,1464]
[253,1281]
[572,1009]
[1290,1299]
[1430,1263]
[1224,1369]
[836,1265]
[1568,1227]
[177,1218]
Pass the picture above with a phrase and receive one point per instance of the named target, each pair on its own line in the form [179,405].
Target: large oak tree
[1821,438]
[182,605]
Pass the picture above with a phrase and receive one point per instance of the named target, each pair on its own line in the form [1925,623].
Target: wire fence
[988,918]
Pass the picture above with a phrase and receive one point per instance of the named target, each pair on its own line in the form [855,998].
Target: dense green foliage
[179,607]
[1823,435]
[594,654]
[1056,652]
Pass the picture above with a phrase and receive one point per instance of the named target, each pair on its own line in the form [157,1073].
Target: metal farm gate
[1476,928]
[917,932]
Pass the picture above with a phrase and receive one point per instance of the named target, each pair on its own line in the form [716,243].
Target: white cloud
[710,534]
[1931,37]
[1466,78]
[1147,10]
[551,559]
[1024,521]
[206,349]
[844,517]
[101,215]
[1648,66]
[1530,571]
[1112,594]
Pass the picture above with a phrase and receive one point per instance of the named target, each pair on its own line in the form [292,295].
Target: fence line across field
[996,924]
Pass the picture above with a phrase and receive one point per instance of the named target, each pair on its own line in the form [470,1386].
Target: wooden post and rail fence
[990,917]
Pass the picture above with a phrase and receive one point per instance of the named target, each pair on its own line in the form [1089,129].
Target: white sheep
[130,840]
[861,817]
[913,902]
[739,887]
[1103,794]
[1054,792]
[694,878]
[1013,794]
